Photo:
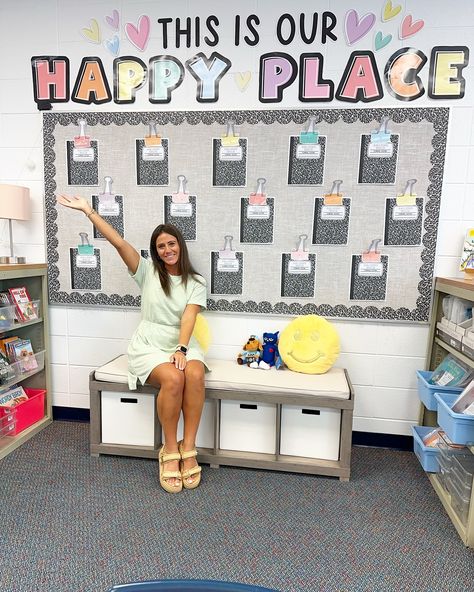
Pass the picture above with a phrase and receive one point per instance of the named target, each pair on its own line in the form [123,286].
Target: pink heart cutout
[356,28]
[139,35]
[409,28]
[113,21]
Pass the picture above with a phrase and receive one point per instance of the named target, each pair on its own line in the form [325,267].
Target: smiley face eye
[298,336]
[315,336]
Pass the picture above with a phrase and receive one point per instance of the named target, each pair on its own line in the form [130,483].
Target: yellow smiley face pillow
[309,344]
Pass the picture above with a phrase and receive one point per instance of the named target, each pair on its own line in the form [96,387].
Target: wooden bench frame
[217,456]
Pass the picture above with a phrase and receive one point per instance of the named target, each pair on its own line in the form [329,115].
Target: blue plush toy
[270,354]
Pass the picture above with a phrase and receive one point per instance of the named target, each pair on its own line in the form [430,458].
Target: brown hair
[185,268]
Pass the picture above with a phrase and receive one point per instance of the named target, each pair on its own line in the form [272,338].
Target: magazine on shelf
[465,402]
[24,355]
[24,306]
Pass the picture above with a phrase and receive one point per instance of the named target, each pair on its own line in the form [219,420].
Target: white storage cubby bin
[128,418]
[310,432]
[248,426]
[205,434]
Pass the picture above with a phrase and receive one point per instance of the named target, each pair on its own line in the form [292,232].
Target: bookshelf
[437,351]
[34,277]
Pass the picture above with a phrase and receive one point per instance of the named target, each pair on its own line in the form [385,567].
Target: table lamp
[14,205]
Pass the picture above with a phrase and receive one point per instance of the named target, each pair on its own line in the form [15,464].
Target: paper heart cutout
[242,80]
[92,33]
[389,11]
[356,28]
[381,41]
[113,45]
[139,35]
[113,20]
[409,28]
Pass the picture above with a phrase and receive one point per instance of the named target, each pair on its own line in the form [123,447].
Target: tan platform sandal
[163,458]
[185,474]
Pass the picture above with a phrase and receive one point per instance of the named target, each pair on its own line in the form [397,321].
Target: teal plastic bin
[427,455]
[459,427]
[188,586]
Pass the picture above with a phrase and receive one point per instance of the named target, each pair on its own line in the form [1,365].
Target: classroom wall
[381,357]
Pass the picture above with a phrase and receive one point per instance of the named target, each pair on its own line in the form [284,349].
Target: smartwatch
[182,348]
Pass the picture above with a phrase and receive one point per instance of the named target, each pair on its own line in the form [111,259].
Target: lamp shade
[15,202]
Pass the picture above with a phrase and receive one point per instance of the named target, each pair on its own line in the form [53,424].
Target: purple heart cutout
[356,28]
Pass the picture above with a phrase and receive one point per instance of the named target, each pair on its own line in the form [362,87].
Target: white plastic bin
[248,426]
[310,432]
[128,418]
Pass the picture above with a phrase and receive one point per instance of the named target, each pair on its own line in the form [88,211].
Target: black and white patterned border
[438,116]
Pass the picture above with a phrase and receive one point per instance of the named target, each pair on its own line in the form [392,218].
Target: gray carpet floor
[73,523]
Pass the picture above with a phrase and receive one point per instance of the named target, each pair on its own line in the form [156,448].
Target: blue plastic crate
[427,455]
[188,586]
[458,427]
[426,390]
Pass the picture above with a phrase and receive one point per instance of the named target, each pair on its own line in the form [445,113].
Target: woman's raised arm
[129,255]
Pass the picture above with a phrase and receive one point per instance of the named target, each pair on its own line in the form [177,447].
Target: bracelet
[90,213]
[181,348]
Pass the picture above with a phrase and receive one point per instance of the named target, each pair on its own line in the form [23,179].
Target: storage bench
[266,419]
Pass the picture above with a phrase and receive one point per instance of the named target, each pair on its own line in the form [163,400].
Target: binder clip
[380,144]
[227,258]
[107,205]
[371,264]
[230,148]
[180,205]
[334,197]
[259,197]
[85,248]
[406,208]
[82,151]
[299,262]
[153,149]
[308,146]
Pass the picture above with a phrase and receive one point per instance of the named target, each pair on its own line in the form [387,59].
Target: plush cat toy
[270,353]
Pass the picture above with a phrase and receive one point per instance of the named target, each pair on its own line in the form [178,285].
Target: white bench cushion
[228,375]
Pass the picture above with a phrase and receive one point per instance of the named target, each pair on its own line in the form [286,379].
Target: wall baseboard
[399,442]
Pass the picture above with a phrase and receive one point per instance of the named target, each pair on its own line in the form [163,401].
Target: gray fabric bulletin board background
[262,278]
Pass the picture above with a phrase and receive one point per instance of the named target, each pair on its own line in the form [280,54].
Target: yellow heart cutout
[93,33]
[242,79]
[389,11]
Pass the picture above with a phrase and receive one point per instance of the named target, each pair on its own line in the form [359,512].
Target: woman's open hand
[75,202]
[179,360]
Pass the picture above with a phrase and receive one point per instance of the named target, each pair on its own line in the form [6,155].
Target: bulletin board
[331,212]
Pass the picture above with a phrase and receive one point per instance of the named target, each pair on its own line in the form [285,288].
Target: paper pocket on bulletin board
[229,159]
[82,172]
[331,218]
[306,170]
[85,266]
[227,269]
[257,213]
[378,156]
[298,272]
[369,274]
[404,218]
[180,210]
[111,211]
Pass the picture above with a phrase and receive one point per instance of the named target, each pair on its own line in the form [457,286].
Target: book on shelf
[24,306]
[24,355]
[5,347]
[15,395]
[7,373]
[8,305]
[465,402]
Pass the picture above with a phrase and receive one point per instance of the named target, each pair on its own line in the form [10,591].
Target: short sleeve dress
[157,335]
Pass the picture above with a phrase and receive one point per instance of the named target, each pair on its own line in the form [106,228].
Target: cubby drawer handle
[311,411]
[127,400]
[246,406]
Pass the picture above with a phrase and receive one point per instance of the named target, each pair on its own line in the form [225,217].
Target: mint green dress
[157,335]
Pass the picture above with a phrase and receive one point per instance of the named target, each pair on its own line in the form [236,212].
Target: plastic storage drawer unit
[310,432]
[458,427]
[128,418]
[426,390]
[427,455]
[248,427]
